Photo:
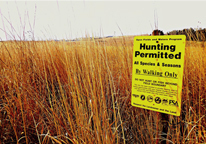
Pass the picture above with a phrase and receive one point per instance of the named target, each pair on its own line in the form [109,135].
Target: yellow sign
[158,63]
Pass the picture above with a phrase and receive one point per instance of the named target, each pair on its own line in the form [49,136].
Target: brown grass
[80,92]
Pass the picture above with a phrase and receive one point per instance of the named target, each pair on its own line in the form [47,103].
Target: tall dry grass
[80,92]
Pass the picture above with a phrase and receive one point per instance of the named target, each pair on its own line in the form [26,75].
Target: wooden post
[161,116]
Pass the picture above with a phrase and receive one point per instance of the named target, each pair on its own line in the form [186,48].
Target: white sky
[72,19]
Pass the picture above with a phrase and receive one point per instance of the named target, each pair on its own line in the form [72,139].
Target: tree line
[191,34]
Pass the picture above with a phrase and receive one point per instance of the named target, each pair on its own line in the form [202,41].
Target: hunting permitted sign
[158,63]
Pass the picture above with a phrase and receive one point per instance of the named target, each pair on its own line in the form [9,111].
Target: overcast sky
[72,19]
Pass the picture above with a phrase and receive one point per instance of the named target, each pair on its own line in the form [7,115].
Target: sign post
[158,63]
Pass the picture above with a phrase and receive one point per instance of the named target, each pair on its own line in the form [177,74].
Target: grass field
[80,92]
